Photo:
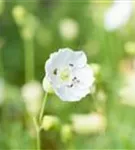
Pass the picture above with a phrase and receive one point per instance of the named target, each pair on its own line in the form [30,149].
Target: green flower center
[65,74]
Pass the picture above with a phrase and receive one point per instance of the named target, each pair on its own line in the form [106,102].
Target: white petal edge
[65,56]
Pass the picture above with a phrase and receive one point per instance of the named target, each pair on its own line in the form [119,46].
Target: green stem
[38,140]
[37,132]
[42,108]
[38,128]
[38,125]
[29,59]
[1,64]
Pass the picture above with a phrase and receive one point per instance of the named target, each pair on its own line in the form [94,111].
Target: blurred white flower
[32,94]
[118,14]
[127,92]
[69,75]
[68,29]
[87,124]
[1,91]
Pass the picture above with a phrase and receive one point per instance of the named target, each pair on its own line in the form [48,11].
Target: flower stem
[37,132]
[29,59]
[38,125]
[38,140]
[1,65]
[42,108]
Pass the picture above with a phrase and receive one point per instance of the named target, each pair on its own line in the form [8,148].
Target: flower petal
[71,94]
[86,77]
[65,57]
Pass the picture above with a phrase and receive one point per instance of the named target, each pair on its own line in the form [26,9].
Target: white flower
[69,75]
[32,94]
[118,14]
[68,29]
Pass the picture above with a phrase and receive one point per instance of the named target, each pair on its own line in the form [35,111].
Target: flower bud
[2,6]
[69,29]
[19,14]
[47,86]
[130,48]
[66,133]
[87,124]
[96,68]
[32,94]
[50,122]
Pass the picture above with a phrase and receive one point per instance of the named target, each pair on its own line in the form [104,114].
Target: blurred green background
[29,32]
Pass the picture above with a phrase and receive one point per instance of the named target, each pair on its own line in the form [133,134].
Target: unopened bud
[2,6]
[69,28]
[50,122]
[66,133]
[32,94]
[130,48]
[96,68]
[19,14]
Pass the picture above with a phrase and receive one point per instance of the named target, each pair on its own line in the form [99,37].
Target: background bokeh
[29,32]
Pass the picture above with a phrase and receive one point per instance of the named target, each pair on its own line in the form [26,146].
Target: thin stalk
[42,108]
[29,59]
[38,140]
[38,124]
[1,64]
[37,132]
